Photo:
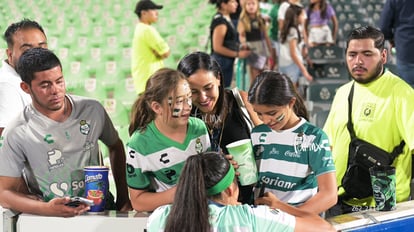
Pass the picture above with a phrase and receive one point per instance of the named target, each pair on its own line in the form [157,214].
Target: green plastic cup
[242,152]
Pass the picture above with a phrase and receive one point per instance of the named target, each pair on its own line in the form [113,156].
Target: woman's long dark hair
[161,83]
[291,20]
[217,2]
[190,211]
[272,88]
[323,6]
[195,61]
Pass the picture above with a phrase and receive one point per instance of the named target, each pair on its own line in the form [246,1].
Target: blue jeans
[292,71]
[226,65]
[406,72]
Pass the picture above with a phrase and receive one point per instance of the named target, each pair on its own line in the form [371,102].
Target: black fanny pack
[361,156]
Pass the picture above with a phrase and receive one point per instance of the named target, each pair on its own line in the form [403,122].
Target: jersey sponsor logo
[130,171]
[170,173]
[48,139]
[274,211]
[274,151]
[59,189]
[131,153]
[88,146]
[292,154]
[163,158]
[278,182]
[55,159]
[262,138]
[307,144]
[84,127]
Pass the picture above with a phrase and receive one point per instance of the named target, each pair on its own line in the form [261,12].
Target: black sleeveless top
[231,37]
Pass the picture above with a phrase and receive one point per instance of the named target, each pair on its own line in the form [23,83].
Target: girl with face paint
[295,156]
[163,135]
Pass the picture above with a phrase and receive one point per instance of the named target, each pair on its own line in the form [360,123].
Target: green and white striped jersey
[155,161]
[290,160]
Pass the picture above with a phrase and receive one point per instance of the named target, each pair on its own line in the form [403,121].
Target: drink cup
[242,152]
[383,186]
[96,186]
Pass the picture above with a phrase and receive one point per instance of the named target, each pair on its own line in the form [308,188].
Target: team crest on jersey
[84,127]
[198,146]
[368,112]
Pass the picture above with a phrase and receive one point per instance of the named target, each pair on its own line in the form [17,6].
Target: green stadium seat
[326,54]
[329,71]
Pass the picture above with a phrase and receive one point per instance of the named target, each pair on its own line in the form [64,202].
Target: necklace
[215,126]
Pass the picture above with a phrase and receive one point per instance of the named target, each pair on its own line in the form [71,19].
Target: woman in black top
[217,106]
[224,38]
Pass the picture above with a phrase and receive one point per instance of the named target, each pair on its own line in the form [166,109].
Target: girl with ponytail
[206,200]
[295,156]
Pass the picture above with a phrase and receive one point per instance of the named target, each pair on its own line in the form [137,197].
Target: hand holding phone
[76,201]
[262,190]
[259,190]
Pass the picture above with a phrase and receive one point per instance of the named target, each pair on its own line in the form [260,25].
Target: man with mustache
[382,114]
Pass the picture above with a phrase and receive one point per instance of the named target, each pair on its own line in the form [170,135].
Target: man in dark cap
[148,47]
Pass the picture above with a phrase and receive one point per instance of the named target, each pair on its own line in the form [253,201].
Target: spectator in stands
[224,39]
[253,35]
[382,114]
[219,108]
[236,15]
[292,47]
[19,36]
[319,14]
[52,140]
[163,135]
[282,13]
[274,29]
[397,24]
[306,168]
[207,187]
[148,47]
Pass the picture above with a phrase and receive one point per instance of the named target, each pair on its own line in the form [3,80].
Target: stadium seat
[326,54]
[329,71]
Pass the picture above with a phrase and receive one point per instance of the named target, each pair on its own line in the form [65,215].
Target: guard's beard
[378,72]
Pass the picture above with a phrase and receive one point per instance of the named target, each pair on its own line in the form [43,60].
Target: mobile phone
[262,190]
[76,201]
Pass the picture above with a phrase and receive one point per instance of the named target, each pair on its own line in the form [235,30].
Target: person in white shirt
[19,36]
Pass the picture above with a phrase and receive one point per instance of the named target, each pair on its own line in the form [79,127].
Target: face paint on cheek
[280,118]
[176,112]
[169,101]
[189,102]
